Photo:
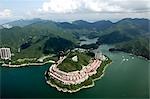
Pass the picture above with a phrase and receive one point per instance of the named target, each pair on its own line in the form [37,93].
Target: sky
[70,10]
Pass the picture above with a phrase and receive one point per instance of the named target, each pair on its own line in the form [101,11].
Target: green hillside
[68,65]
[139,46]
[125,30]
[33,39]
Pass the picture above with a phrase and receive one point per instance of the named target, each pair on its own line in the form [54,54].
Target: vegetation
[139,46]
[68,65]
[70,87]
[87,82]
[129,35]
[112,38]
[125,30]
[101,68]
[54,45]
[35,37]
[54,58]
[89,46]
[25,61]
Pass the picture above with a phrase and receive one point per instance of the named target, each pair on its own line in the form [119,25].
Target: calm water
[123,79]
[88,41]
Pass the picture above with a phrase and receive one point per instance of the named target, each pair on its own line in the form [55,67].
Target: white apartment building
[5,53]
[99,55]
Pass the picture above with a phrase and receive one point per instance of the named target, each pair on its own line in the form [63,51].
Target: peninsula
[76,70]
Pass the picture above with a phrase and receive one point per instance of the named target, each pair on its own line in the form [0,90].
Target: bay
[126,77]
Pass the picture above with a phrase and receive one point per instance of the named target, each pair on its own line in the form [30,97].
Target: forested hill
[139,46]
[33,36]
[35,39]
[129,35]
[125,30]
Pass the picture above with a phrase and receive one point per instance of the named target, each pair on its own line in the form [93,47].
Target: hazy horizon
[70,10]
[113,21]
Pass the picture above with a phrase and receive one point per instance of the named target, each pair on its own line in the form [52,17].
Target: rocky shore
[66,90]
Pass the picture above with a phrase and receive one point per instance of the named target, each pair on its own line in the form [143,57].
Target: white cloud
[91,10]
[60,6]
[73,6]
[102,6]
[69,10]
[6,13]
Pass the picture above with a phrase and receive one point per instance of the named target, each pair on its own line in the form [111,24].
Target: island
[76,70]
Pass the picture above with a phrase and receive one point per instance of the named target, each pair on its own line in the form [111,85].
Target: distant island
[77,69]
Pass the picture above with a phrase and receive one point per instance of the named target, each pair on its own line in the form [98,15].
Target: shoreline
[83,87]
[103,72]
[131,54]
[70,91]
[26,64]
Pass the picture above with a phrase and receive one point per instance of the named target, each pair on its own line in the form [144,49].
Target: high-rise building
[99,55]
[5,53]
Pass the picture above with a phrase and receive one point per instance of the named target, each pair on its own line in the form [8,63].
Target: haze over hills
[23,22]
[35,34]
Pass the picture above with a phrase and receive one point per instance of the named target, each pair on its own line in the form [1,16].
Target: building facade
[5,53]
[99,55]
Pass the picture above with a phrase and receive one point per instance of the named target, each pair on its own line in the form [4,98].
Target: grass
[87,82]
[68,65]
[54,58]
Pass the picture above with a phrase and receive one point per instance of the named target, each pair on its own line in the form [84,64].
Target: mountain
[102,25]
[138,46]
[67,25]
[56,44]
[80,24]
[128,35]
[1,27]
[22,22]
[112,38]
[125,30]
[34,37]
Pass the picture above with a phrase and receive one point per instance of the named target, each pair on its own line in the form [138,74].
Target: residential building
[5,53]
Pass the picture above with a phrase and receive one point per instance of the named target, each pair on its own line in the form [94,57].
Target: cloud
[60,6]
[92,6]
[73,6]
[6,13]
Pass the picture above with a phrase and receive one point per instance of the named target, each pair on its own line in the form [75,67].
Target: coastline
[139,56]
[70,91]
[88,86]
[27,64]
[103,72]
